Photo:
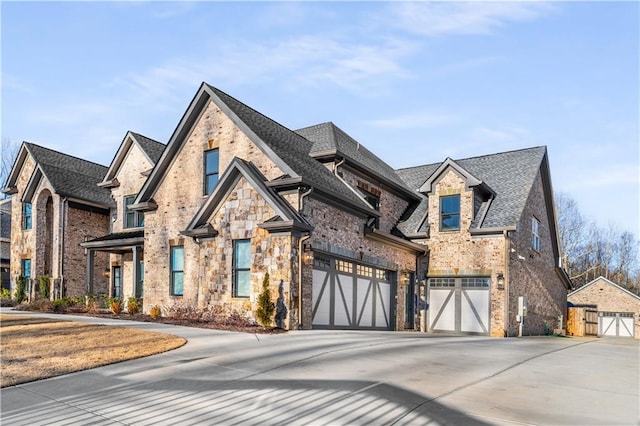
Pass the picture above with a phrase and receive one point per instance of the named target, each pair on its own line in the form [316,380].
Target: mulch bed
[254,329]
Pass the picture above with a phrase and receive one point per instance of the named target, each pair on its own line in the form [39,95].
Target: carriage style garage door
[618,324]
[459,305]
[349,295]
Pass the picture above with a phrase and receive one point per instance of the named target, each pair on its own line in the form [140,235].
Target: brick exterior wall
[608,298]
[80,225]
[56,237]
[535,276]
[458,253]
[344,232]
[391,206]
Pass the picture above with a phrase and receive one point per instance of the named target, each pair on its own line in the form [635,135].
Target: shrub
[115,305]
[91,303]
[5,294]
[266,308]
[133,305]
[21,289]
[155,312]
[186,312]
[60,305]
[43,282]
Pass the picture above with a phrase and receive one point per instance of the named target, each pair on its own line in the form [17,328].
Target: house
[56,204]
[618,309]
[461,246]
[5,243]
[123,241]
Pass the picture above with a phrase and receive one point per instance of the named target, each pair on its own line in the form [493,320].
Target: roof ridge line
[63,153]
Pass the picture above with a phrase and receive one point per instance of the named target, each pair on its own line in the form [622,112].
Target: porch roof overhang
[117,242]
[392,240]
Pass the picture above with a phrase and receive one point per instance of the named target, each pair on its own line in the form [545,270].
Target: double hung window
[211,163]
[241,268]
[177,270]
[450,213]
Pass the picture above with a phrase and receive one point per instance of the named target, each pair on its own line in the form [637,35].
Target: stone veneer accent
[178,198]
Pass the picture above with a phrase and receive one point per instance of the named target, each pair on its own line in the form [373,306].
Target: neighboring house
[129,169]
[5,243]
[56,204]
[618,309]
[489,225]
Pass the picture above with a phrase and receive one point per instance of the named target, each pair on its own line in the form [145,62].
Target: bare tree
[7,158]
[589,251]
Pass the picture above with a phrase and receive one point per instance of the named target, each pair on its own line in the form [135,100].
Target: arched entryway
[44,229]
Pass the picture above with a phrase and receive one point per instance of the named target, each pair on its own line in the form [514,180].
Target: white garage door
[618,324]
[349,295]
[459,305]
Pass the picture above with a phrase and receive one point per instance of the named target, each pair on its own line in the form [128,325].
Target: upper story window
[132,218]
[177,271]
[450,213]
[26,216]
[241,268]
[535,234]
[211,162]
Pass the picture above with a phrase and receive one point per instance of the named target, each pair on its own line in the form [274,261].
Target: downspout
[65,203]
[300,254]
[507,252]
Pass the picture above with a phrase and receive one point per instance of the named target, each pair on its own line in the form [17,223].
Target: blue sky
[414,82]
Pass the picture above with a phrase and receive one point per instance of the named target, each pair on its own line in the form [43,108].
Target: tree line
[590,251]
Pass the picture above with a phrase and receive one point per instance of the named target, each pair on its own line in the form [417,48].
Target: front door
[116,274]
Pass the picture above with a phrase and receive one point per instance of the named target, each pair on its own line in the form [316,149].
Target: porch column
[136,271]
[90,256]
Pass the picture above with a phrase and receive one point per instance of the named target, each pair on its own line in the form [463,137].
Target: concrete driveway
[326,377]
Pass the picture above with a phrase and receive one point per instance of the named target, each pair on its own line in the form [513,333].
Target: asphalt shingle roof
[291,148]
[509,174]
[71,176]
[327,137]
[152,147]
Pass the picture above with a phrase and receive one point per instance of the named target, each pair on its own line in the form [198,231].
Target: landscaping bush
[5,298]
[266,308]
[155,312]
[21,289]
[43,282]
[133,305]
[114,304]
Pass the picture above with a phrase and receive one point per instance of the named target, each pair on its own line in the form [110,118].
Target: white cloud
[509,134]
[437,18]
[415,120]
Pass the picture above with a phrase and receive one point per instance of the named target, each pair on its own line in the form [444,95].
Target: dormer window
[211,165]
[450,213]
[132,218]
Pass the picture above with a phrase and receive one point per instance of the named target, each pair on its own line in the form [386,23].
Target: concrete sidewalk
[329,377]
